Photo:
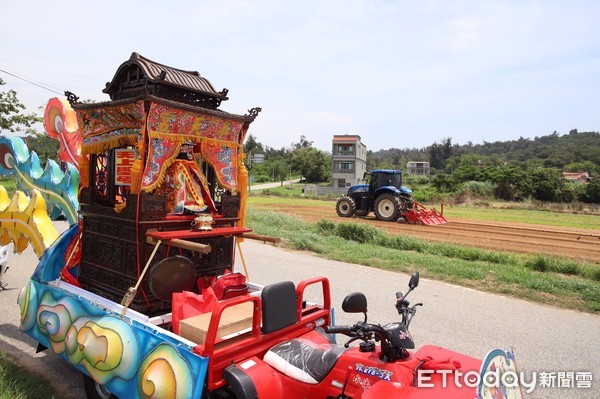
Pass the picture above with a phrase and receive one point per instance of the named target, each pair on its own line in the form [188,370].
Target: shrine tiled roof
[160,74]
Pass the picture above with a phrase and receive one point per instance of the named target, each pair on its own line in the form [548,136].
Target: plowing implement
[419,214]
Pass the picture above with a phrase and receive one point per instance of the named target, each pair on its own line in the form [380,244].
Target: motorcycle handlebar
[338,329]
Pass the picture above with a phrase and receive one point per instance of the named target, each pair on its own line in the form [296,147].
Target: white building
[349,160]
[418,168]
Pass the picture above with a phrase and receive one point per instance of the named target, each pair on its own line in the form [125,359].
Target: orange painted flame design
[60,122]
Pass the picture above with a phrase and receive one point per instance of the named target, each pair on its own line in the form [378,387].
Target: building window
[341,182]
[345,165]
[345,149]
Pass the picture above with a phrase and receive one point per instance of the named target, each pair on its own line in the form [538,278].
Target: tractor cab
[389,179]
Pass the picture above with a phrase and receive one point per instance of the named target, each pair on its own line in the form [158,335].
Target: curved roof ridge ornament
[72,98]
[253,112]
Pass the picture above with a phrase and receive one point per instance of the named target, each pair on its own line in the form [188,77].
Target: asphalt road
[263,186]
[545,339]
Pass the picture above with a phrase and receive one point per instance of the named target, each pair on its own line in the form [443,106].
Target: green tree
[313,164]
[547,184]
[280,169]
[466,173]
[304,143]
[444,182]
[580,167]
[512,183]
[12,117]
[592,192]
[385,165]
[440,153]
[251,145]
[45,146]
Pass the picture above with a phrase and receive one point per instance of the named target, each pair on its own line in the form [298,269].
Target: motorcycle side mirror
[355,302]
[414,281]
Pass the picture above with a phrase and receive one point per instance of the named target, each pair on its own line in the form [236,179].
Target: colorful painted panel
[498,375]
[56,256]
[175,124]
[58,188]
[224,160]
[109,118]
[131,359]
[161,154]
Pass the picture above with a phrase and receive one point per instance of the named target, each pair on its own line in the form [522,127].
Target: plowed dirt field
[582,244]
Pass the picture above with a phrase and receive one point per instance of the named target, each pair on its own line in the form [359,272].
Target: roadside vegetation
[17,382]
[9,184]
[545,279]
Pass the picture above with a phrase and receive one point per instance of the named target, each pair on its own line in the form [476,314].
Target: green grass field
[9,184]
[545,279]
[467,212]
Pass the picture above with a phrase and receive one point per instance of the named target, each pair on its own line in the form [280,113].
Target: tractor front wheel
[387,207]
[345,207]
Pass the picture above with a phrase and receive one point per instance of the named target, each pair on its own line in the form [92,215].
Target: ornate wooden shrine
[156,155]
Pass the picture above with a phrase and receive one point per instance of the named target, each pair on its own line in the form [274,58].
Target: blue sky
[397,73]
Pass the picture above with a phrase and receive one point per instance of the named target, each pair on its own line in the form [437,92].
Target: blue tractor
[384,194]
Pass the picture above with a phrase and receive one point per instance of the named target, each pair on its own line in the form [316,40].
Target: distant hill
[569,152]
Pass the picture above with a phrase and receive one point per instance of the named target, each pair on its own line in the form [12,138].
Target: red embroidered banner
[109,118]
[180,125]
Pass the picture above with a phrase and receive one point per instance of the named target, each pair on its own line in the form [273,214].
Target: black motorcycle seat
[303,360]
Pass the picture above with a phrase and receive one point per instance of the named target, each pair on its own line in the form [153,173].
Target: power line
[40,84]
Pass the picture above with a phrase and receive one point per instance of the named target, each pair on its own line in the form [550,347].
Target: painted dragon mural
[45,193]
[24,220]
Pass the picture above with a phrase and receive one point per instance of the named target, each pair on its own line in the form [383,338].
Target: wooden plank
[188,234]
[184,244]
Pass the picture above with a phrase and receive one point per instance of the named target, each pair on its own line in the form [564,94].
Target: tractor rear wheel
[387,207]
[345,207]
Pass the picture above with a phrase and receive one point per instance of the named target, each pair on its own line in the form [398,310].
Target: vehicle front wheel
[387,207]
[345,207]
[94,390]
